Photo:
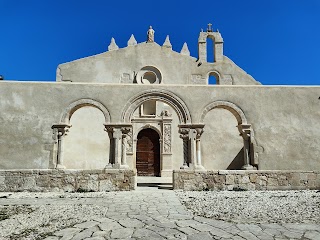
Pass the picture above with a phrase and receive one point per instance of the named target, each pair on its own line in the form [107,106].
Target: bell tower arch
[217,46]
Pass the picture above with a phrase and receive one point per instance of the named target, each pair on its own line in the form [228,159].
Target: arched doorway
[148,153]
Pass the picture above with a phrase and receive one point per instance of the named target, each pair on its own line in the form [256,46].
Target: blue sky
[275,41]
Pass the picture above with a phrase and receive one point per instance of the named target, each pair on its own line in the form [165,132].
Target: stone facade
[93,116]
[67,180]
[242,180]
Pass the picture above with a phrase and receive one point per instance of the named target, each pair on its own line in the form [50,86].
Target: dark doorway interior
[148,153]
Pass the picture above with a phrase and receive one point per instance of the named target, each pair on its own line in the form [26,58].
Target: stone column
[202,47]
[198,131]
[125,131]
[184,135]
[245,132]
[191,133]
[60,131]
[116,132]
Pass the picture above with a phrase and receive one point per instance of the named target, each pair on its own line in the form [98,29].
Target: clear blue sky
[276,41]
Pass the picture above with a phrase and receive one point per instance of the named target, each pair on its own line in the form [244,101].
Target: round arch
[234,109]
[67,113]
[216,74]
[159,95]
[146,127]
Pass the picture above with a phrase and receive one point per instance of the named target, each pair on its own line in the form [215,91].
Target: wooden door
[148,153]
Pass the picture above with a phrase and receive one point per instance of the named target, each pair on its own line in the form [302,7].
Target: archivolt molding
[234,109]
[159,95]
[67,113]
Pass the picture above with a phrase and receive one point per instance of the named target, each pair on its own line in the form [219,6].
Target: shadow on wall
[237,162]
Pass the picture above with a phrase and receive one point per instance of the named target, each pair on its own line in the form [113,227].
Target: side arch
[233,108]
[159,95]
[67,113]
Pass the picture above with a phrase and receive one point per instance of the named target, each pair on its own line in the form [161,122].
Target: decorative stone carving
[165,114]
[132,41]
[150,35]
[159,95]
[197,79]
[185,50]
[126,78]
[129,142]
[167,138]
[118,134]
[167,43]
[113,45]
[226,80]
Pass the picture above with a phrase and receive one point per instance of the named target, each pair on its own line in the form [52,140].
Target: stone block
[253,177]
[229,179]
[106,185]
[273,181]
[245,179]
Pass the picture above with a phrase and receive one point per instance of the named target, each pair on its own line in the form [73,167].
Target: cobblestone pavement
[149,214]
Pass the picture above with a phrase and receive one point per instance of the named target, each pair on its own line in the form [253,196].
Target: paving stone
[100,233]
[169,232]
[247,235]
[88,224]
[131,223]
[188,230]
[214,222]
[217,232]
[314,235]
[187,223]
[292,234]
[121,233]
[301,226]
[200,236]
[67,231]
[108,226]
[202,227]
[95,238]
[82,235]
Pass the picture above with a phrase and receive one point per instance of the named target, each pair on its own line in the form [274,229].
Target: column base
[199,167]
[166,173]
[184,166]
[108,166]
[247,167]
[59,166]
[124,166]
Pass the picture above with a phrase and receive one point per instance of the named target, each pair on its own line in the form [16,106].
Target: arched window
[213,78]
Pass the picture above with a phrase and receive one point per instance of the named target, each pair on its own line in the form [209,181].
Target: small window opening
[149,78]
[212,79]
[149,108]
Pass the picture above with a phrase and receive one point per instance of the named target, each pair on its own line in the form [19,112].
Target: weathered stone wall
[67,180]
[245,180]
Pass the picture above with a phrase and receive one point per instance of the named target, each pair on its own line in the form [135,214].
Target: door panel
[148,153]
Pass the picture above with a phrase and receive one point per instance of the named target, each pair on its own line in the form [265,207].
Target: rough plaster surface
[285,120]
[123,65]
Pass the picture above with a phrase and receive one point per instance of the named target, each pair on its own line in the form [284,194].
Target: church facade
[148,109]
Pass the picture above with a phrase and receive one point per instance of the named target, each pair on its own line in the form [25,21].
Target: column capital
[245,130]
[123,127]
[61,128]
